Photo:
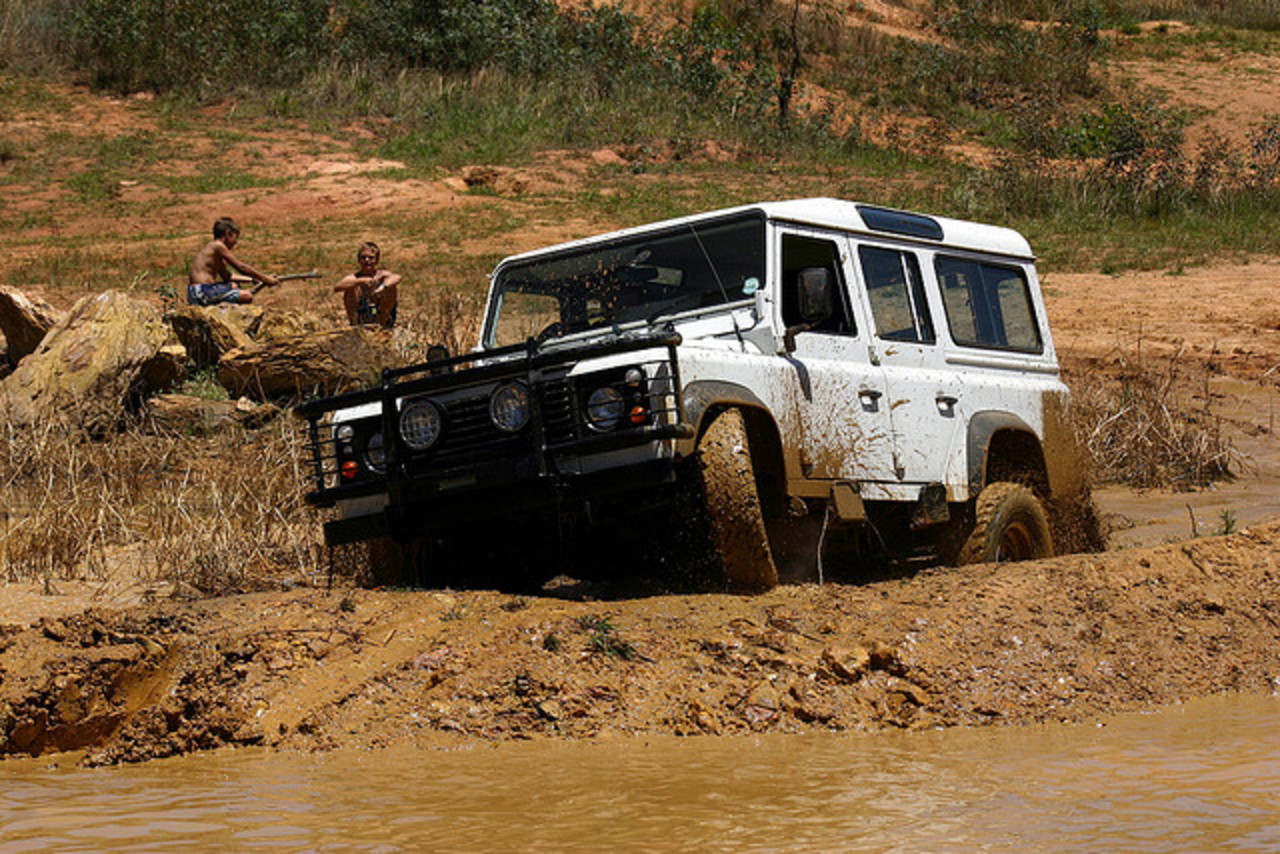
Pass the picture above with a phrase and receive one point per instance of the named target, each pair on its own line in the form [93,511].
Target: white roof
[835,214]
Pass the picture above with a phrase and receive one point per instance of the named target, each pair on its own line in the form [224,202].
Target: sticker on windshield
[750,286]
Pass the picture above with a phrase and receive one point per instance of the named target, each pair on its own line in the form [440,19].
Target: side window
[988,305]
[896,293]
[800,253]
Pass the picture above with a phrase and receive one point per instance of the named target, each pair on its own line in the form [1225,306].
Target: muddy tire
[732,503]
[385,562]
[394,564]
[1009,525]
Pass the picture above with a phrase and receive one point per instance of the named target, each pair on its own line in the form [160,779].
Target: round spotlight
[509,407]
[420,424]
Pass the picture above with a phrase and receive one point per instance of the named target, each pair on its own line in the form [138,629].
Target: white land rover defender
[804,369]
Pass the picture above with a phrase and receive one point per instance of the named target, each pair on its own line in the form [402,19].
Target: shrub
[1144,428]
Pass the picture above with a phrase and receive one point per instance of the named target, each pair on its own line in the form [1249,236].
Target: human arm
[352,282]
[386,279]
[245,268]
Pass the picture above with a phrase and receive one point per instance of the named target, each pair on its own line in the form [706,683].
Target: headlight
[344,432]
[374,456]
[509,407]
[420,424]
[604,408]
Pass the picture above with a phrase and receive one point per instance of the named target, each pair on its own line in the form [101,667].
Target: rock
[329,362]
[279,325]
[208,333]
[762,704]
[24,321]
[90,365]
[884,657]
[849,665]
[184,414]
[255,415]
[167,369]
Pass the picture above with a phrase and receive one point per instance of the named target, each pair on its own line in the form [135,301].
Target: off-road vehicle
[811,371]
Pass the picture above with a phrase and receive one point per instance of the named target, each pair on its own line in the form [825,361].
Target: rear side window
[988,305]
[896,294]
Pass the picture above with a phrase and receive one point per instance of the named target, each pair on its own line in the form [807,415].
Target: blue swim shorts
[212,294]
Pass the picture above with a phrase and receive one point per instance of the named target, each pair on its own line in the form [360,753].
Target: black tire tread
[997,504]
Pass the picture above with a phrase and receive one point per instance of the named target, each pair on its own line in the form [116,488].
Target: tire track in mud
[1056,640]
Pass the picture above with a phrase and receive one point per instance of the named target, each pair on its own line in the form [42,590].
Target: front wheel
[732,502]
[1009,525]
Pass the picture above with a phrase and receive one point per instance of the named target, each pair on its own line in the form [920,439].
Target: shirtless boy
[210,280]
[369,294]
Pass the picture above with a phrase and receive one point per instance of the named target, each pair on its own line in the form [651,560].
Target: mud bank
[1056,640]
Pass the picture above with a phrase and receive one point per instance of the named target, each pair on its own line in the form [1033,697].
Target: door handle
[947,400]
[870,393]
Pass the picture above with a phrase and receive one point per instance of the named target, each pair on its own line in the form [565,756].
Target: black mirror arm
[789,335]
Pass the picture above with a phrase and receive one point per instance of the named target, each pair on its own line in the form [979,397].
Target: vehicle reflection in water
[1203,776]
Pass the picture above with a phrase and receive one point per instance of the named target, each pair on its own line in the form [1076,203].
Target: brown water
[1200,777]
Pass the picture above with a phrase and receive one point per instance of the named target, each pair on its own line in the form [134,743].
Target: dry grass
[217,514]
[1150,425]
[442,317]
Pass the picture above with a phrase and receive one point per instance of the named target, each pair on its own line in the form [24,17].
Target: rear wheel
[732,502]
[1009,525]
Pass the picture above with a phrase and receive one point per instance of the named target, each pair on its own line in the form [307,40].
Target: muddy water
[1199,777]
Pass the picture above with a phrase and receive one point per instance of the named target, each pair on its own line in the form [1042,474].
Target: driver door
[841,396]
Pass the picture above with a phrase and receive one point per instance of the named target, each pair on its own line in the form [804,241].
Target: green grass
[217,181]
[204,385]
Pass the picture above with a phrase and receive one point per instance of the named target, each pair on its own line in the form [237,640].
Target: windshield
[641,277]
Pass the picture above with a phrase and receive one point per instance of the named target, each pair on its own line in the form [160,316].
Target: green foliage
[211,46]
[602,637]
[204,385]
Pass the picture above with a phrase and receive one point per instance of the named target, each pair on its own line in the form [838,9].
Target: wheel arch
[1001,446]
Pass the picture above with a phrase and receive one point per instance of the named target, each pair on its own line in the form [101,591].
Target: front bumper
[448,504]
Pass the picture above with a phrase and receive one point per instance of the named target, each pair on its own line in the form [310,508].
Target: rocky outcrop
[328,362]
[24,321]
[183,413]
[90,364]
[279,325]
[208,333]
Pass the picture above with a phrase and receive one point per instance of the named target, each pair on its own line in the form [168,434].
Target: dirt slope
[1061,639]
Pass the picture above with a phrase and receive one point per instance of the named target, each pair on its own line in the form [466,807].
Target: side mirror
[815,294]
[815,300]
[437,353]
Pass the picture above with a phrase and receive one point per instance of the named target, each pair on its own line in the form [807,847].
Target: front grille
[558,416]
[469,436]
